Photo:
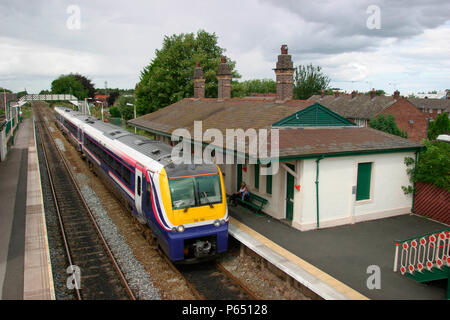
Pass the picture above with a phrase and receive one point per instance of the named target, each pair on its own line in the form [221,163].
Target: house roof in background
[443,104]
[358,107]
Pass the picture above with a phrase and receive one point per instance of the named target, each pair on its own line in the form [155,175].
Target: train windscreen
[195,191]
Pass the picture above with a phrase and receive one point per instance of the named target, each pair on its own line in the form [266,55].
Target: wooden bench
[254,201]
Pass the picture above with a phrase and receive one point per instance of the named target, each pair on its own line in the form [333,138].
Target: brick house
[360,108]
[431,108]
[100,99]
[361,169]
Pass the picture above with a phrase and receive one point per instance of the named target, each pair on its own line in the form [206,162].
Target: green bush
[114,112]
[387,124]
[433,166]
[439,126]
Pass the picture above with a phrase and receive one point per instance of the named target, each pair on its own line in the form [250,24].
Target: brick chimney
[284,73]
[353,94]
[372,93]
[396,95]
[199,82]
[336,94]
[224,80]
[322,94]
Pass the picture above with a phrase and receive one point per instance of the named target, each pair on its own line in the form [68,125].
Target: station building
[331,171]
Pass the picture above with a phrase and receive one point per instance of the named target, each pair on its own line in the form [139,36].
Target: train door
[139,176]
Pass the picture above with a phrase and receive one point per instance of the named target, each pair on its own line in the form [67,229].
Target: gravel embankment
[138,279]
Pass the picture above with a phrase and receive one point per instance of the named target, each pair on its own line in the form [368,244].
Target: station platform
[25,268]
[333,262]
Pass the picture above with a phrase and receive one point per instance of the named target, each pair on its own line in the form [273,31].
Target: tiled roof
[230,113]
[443,104]
[257,114]
[318,141]
[358,107]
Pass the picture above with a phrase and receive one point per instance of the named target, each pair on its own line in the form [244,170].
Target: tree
[387,124]
[379,92]
[113,95]
[308,81]
[126,111]
[2,90]
[439,126]
[168,77]
[69,84]
[260,86]
[20,94]
[45,92]
[87,84]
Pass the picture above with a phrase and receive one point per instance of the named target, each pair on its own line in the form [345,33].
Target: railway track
[206,281]
[100,278]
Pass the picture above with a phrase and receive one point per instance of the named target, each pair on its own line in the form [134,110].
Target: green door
[239,176]
[363,181]
[290,194]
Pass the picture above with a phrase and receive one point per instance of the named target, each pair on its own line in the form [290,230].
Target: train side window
[109,160]
[148,195]
[126,176]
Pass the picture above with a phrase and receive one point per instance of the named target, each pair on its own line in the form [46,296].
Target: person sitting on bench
[243,193]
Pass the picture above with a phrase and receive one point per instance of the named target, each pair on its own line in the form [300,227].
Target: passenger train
[184,205]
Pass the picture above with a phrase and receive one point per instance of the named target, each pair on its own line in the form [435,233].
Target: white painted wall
[336,202]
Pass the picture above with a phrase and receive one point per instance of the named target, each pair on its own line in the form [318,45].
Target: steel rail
[55,201]
[91,217]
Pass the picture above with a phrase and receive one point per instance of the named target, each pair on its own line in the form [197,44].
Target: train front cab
[194,243]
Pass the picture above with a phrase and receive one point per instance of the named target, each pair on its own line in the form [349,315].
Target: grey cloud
[341,26]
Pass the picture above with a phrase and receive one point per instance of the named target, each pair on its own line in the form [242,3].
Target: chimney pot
[224,80]
[199,82]
[336,94]
[353,94]
[284,72]
[322,94]
[396,94]
[372,93]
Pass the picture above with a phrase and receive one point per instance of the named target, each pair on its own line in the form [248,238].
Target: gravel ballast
[138,279]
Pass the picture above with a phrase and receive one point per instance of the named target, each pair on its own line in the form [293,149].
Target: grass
[26,111]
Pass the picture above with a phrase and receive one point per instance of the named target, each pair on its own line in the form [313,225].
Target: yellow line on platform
[332,282]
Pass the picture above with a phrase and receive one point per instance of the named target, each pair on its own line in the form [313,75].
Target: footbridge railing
[423,253]
[83,106]
[425,258]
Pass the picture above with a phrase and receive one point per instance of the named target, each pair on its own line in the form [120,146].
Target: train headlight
[180,228]
[174,229]
[222,222]
[216,223]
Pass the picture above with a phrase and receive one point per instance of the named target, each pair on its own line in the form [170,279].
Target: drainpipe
[414,183]
[317,188]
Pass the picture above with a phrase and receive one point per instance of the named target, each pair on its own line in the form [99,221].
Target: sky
[391,45]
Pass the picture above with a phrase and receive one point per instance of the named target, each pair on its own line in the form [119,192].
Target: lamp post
[11,120]
[132,105]
[102,106]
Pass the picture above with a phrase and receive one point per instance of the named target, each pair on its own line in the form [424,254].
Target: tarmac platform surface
[345,252]
[25,270]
